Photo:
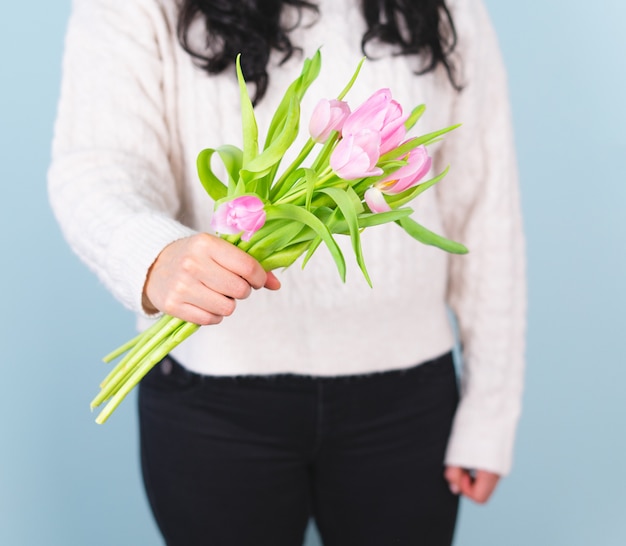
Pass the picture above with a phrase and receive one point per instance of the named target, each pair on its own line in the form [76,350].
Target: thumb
[453,475]
[272,282]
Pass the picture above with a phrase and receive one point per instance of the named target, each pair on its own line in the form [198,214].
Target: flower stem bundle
[364,174]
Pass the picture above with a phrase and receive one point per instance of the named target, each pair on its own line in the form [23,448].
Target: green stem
[142,339]
[304,153]
[136,360]
[131,343]
[155,355]
[326,150]
[122,348]
[293,196]
[182,333]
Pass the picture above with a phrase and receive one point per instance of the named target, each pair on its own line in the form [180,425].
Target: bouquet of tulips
[363,175]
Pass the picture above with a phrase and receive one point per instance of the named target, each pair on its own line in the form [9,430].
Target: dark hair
[419,27]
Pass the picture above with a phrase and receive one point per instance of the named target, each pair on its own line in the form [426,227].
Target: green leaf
[248,120]
[297,89]
[287,183]
[212,185]
[297,214]
[427,237]
[297,192]
[368,219]
[330,217]
[346,206]
[263,162]
[240,189]
[232,157]
[408,195]
[352,80]
[285,257]
[279,238]
[279,185]
[429,138]
[311,177]
[315,243]
[324,214]
[321,201]
[416,114]
[357,204]
[413,143]
[278,120]
[310,71]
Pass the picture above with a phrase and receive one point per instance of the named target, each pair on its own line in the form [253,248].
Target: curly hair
[418,27]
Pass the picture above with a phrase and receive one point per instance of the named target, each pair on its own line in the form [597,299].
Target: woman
[316,399]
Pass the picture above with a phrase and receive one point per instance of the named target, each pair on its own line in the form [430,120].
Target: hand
[478,485]
[198,279]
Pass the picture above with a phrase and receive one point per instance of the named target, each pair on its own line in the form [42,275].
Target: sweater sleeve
[481,208]
[111,182]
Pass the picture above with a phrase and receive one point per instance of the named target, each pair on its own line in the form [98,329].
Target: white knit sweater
[134,113]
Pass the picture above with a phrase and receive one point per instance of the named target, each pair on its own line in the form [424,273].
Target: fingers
[236,261]
[199,279]
[478,486]
[483,486]
[453,475]
[200,316]
[272,282]
[246,268]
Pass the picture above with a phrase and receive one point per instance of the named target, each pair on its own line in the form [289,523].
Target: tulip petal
[243,214]
[356,155]
[369,115]
[328,116]
[319,119]
[220,223]
[392,134]
[418,166]
[369,142]
[393,113]
[376,200]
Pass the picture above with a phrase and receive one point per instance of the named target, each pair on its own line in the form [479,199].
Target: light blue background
[65,481]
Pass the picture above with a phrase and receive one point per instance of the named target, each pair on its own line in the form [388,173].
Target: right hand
[198,279]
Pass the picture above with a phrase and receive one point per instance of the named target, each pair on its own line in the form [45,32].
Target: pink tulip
[378,113]
[356,155]
[242,214]
[370,115]
[393,130]
[406,177]
[328,116]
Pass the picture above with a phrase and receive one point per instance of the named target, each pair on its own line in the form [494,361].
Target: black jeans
[247,461]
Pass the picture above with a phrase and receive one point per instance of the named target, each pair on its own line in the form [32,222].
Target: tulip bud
[242,214]
[382,114]
[356,155]
[393,131]
[328,116]
[419,163]
[370,115]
